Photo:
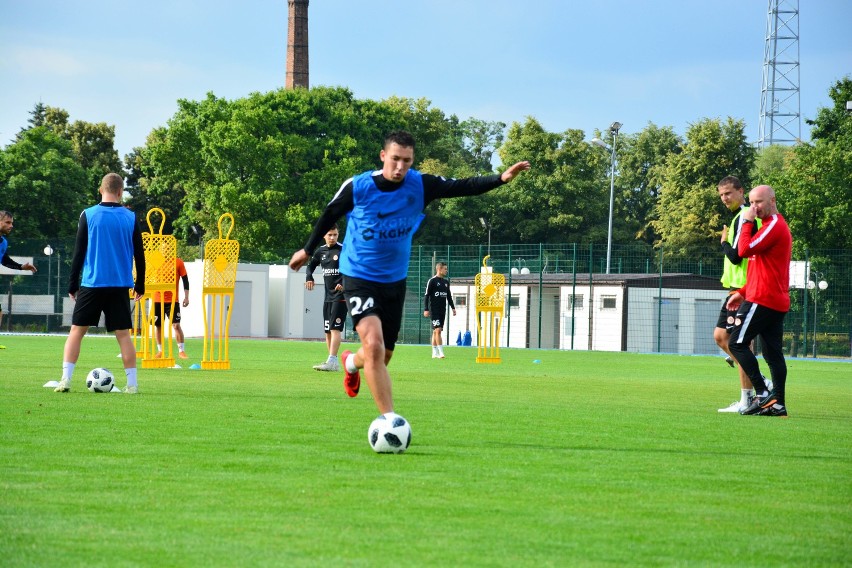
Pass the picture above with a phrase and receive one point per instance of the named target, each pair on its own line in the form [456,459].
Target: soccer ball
[389,434]
[100,380]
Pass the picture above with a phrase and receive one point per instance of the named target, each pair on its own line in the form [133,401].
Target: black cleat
[729,361]
[773,410]
[760,403]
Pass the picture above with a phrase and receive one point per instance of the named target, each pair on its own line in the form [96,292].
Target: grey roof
[637,280]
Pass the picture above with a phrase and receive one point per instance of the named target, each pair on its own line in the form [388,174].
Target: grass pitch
[581,459]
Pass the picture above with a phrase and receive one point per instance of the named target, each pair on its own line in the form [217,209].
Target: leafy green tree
[689,214]
[815,191]
[563,198]
[273,160]
[481,139]
[770,164]
[43,184]
[641,163]
[93,143]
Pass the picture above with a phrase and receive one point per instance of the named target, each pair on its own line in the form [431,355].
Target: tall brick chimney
[297,44]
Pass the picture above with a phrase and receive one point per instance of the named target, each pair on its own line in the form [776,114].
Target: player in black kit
[334,309]
[435,306]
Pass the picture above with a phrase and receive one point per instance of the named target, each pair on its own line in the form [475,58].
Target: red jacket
[768,251]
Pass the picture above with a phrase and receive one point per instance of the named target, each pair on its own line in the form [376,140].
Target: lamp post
[48,250]
[613,129]
[487,226]
[816,286]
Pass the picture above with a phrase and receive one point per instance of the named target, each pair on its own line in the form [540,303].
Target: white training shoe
[64,386]
[327,366]
[735,406]
[131,390]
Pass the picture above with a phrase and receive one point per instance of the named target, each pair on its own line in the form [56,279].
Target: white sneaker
[64,386]
[131,390]
[735,406]
[327,366]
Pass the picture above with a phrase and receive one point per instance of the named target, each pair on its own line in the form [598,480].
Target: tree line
[275,159]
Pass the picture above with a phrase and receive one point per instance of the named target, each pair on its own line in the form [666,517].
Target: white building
[672,313]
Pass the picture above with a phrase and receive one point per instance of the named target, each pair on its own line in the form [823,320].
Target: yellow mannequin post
[220,274]
[160,277]
[490,303]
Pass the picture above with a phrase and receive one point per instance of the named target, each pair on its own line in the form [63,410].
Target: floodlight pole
[487,226]
[613,129]
[616,126]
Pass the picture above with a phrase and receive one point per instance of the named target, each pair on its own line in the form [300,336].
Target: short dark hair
[112,183]
[730,180]
[401,137]
[5,214]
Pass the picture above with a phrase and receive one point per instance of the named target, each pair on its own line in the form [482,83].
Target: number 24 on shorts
[359,305]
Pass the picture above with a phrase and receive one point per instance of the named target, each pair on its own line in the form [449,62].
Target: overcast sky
[567,63]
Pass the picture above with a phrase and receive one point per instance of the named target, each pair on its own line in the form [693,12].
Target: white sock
[159,348]
[745,396]
[180,346]
[440,350]
[332,359]
[67,370]
[131,376]
[434,350]
[350,364]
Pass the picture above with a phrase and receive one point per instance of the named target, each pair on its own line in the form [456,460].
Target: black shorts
[334,315]
[438,319]
[112,302]
[753,320]
[386,301]
[158,313]
[726,316]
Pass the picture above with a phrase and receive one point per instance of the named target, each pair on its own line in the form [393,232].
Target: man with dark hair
[334,308]
[435,306]
[108,243]
[163,309]
[764,301]
[734,268]
[6,225]
[384,209]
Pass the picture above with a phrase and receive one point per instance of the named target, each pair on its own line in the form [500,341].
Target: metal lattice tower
[780,107]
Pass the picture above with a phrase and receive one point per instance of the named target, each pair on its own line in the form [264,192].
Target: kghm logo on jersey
[389,233]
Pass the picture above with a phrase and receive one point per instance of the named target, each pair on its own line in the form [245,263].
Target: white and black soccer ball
[389,434]
[100,380]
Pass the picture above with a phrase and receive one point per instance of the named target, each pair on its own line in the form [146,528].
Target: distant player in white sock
[435,306]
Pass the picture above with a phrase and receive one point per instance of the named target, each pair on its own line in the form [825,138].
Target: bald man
[764,301]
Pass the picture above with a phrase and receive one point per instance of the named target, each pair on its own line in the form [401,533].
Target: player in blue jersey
[384,208]
[108,243]
[6,224]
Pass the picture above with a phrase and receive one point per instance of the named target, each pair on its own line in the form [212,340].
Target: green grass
[581,459]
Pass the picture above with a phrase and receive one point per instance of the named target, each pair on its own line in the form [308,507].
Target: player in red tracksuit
[764,301]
